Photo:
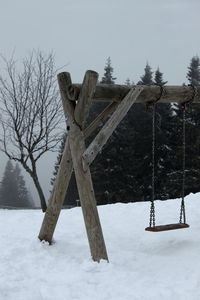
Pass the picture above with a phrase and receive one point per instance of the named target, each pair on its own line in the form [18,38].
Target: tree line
[122,173]
[31,119]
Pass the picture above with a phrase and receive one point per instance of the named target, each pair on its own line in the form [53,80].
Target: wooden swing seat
[167,227]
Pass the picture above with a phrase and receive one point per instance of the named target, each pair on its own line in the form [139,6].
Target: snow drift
[143,265]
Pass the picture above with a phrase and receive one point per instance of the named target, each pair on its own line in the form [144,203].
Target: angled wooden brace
[107,130]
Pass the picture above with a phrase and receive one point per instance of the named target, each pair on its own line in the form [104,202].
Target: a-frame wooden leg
[59,191]
[87,197]
[76,118]
[58,196]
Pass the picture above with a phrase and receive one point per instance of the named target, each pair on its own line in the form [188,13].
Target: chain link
[182,210]
[152,208]
[152,222]
[152,106]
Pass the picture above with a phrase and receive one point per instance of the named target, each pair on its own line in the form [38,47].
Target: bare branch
[31,111]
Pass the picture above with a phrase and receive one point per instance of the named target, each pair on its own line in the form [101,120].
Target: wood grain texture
[77,147]
[100,119]
[64,172]
[167,227]
[109,92]
[87,197]
[85,97]
[58,196]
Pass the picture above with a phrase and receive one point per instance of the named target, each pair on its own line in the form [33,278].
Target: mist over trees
[31,114]
[13,191]
[122,173]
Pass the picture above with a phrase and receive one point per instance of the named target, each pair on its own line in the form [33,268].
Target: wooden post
[85,97]
[65,169]
[60,186]
[87,197]
[58,196]
[77,116]
[75,150]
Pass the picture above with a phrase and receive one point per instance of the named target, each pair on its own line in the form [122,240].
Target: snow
[143,265]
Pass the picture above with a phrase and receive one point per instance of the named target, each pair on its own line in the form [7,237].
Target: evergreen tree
[72,192]
[193,74]
[22,196]
[8,186]
[129,83]
[108,77]
[13,191]
[158,78]
[59,157]
[147,78]
[193,131]
[123,171]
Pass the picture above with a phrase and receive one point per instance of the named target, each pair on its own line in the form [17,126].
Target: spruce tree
[147,78]
[8,186]
[108,74]
[129,83]
[158,78]
[193,131]
[22,196]
[72,192]
[122,173]
[193,74]
[13,192]
[59,157]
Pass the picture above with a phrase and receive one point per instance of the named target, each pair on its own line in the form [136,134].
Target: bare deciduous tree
[30,112]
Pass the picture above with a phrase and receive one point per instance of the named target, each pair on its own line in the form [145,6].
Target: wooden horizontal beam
[109,92]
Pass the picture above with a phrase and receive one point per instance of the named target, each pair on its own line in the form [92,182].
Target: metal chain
[184,107]
[182,210]
[152,209]
[152,106]
[152,221]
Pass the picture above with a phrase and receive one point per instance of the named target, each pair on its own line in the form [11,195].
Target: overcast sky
[83,33]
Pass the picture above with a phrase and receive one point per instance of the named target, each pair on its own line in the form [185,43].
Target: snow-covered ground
[143,265]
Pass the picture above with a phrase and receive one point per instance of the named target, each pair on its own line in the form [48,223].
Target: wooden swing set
[76,100]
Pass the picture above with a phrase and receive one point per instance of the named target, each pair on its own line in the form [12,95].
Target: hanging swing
[182,219]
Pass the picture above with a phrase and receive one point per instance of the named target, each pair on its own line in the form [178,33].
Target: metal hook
[150,105]
[185,105]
